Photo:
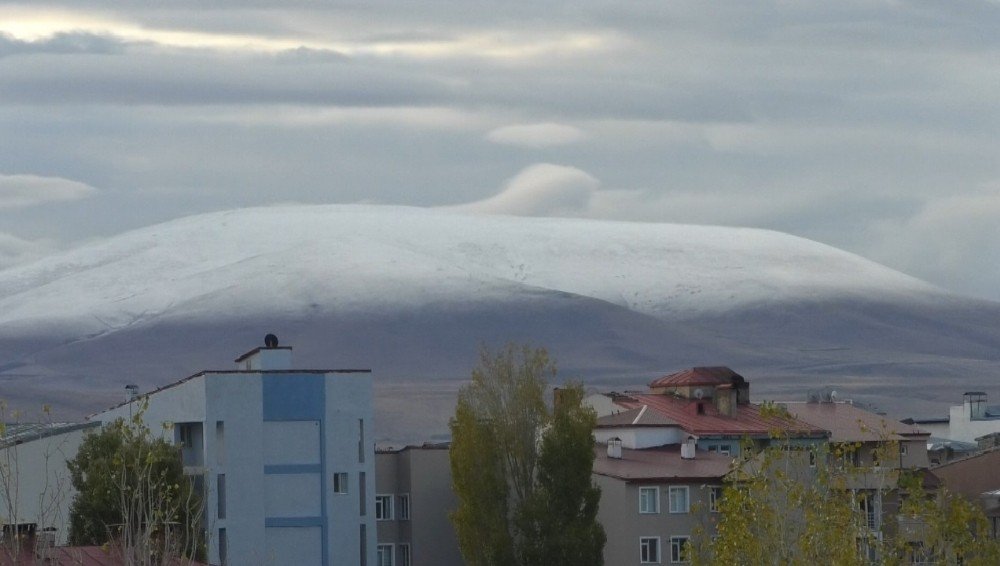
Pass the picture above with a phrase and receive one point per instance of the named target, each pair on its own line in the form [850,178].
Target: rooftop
[746,419]
[848,423]
[640,416]
[663,464]
[19,433]
[711,376]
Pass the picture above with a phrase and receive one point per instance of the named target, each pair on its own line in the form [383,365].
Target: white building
[283,456]
[35,486]
[972,419]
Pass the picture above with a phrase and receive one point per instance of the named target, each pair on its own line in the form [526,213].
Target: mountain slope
[412,292]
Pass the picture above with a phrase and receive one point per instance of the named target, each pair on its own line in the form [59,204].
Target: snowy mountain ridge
[346,257]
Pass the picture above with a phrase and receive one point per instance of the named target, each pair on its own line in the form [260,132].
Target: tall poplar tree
[522,472]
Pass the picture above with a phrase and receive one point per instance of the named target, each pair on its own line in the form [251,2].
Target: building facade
[283,456]
[413,500]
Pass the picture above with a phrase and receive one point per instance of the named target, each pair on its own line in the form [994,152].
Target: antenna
[270,341]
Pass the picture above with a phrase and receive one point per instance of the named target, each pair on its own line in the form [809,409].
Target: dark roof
[19,433]
[746,419]
[661,464]
[848,423]
[716,375]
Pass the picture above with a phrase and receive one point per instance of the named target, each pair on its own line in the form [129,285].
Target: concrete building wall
[422,475]
[625,526]
[35,484]
[964,427]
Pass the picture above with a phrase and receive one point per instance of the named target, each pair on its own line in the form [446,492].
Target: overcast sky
[870,126]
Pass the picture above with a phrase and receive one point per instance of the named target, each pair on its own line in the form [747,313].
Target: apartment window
[679,499]
[649,500]
[220,495]
[185,434]
[340,482]
[404,555]
[404,507]
[649,550]
[678,550]
[363,538]
[220,443]
[362,490]
[383,507]
[724,449]
[223,547]
[902,449]
[714,498]
[383,555]
[361,441]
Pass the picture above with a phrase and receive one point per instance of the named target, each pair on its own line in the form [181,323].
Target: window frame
[404,506]
[656,499]
[683,539]
[341,483]
[381,512]
[643,545]
[715,497]
[405,554]
[390,554]
[687,499]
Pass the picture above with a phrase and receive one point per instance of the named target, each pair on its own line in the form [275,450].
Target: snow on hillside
[349,258]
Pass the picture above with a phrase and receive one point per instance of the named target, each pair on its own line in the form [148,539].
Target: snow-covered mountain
[412,292]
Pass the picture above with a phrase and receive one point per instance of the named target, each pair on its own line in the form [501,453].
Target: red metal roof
[711,376]
[746,419]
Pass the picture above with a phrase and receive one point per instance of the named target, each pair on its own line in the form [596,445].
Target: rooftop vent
[615,448]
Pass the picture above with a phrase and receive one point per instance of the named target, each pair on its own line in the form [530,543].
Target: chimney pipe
[688,448]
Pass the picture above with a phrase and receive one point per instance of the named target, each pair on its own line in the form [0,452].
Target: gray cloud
[18,191]
[870,126]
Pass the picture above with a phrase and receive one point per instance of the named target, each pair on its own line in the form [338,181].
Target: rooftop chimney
[615,448]
[268,358]
[687,448]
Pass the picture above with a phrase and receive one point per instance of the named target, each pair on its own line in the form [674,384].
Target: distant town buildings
[285,461]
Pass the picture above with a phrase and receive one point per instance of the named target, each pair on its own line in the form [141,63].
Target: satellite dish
[271,341]
[698,393]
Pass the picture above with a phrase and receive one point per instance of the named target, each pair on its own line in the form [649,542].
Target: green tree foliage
[132,495]
[520,471]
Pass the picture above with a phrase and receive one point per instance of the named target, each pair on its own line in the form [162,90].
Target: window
[404,507]
[404,555]
[383,555]
[363,538]
[649,550]
[812,458]
[340,482]
[724,449]
[383,507]
[714,498]
[220,443]
[649,500]
[223,547]
[678,552]
[362,490]
[679,499]
[220,495]
[902,449]
[361,441]
[185,435]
